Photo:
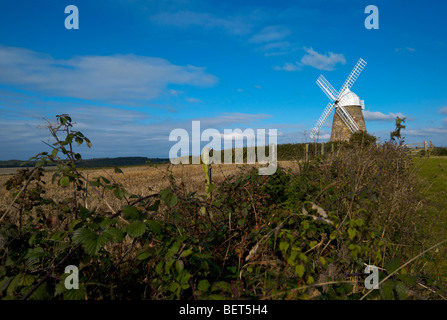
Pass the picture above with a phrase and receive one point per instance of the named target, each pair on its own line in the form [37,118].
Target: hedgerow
[306,234]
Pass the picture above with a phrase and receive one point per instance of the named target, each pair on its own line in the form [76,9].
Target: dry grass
[141,181]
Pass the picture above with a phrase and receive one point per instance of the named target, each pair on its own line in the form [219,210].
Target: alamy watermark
[72,280]
[372,281]
[256,139]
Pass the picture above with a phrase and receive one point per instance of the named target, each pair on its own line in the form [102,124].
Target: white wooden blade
[322,120]
[352,76]
[347,119]
[327,88]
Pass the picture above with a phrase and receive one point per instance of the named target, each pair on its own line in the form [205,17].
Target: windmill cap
[349,98]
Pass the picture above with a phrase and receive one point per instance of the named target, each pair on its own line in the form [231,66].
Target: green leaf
[75,294]
[130,213]
[168,265]
[90,240]
[54,153]
[144,255]
[387,290]
[27,280]
[107,181]
[87,141]
[174,286]
[114,234]
[352,232]
[221,286]
[79,140]
[393,265]
[401,291]
[179,266]
[5,283]
[13,284]
[64,182]
[203,285]
[119,193]
[406,279]
[136,229]
[299,270]
[173,249]
[168,197]
[118,170]
[159,268]
[186,253]
[283,246]
[154,226]
[154,206]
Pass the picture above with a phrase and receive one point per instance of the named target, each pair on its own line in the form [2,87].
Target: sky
[136,70]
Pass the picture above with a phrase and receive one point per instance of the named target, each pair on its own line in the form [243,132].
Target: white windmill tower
[348,117]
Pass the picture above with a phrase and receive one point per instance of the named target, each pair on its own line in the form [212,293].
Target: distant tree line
[93,163]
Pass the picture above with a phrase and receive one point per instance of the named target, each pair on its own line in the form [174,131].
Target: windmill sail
[335,96]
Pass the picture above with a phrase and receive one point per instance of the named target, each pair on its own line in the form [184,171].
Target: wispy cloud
[114,78]
[322,61]
[314,59]
[233,24]
[193,100]
[288,67]
[270,34]
[405,49]
[443,110]
[379,116]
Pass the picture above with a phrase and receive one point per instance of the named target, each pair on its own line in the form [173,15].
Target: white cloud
[443,110]
[270,33]
[238,136]
[288,67]
[111,78]
[379,116]
[430,131]
[322,62]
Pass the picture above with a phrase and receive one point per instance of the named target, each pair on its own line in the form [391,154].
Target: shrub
[292,235]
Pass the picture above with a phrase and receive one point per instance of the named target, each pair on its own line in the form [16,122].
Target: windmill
[348,117]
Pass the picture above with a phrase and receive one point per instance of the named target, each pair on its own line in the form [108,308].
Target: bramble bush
[292,235]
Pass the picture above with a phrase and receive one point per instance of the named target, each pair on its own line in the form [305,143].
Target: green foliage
[284,236]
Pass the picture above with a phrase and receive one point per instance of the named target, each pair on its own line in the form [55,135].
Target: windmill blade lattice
[334,97]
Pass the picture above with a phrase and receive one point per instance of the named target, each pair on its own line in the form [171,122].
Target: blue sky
[135,70]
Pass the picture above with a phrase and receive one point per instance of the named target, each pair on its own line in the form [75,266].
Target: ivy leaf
[136,229]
